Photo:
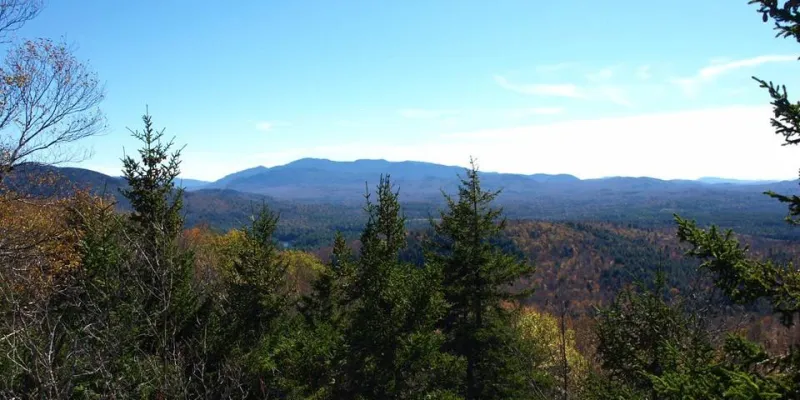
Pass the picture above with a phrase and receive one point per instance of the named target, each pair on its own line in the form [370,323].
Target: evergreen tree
[786,120]
[735,272]
[328,297]
[257,289]
[166,303]
[107,294]
[255,316]
[392,348]
[155,200]
[641,338]
[477,278]
[318,355]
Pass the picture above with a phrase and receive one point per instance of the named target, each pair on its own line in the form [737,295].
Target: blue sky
[628,88]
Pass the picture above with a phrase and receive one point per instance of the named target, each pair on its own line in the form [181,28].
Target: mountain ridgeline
[323,180]
[316,197]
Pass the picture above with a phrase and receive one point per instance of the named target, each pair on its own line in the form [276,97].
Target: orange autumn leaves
[36,235]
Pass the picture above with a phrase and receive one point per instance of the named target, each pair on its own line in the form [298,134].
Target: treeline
[102,304]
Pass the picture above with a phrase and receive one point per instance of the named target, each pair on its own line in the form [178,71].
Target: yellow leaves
[300,260]
[18,80]
[541,332]
[215,253]
[302,269]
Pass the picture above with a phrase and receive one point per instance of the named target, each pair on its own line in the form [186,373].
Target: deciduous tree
[48,98]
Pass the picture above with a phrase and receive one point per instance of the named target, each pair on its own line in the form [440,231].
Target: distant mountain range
[321,180]
[714,180]
[322,195]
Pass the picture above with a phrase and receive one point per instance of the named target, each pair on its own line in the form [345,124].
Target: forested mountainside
[591,250]
[342,318]
[589,262]
[308,224]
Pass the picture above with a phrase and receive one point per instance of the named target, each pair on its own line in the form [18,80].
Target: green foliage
[318,353]
[257,292]
[165,304]
[741,278]
[741,372]
[392,348]
[155,200]
[476,280]
[369,324]
[641,338]
[256,302]
[650,348]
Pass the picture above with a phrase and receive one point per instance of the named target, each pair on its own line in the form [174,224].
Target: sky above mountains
[624,88]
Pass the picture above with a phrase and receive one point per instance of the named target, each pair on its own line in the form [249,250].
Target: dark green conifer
[392,348]
[165,301]
[477,279]
[155,200]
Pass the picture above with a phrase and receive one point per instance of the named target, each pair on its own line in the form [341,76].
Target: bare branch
[48,101]
[15,13]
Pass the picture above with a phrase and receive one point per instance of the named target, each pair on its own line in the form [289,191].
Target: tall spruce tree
[327,299]
[392,347]
[164,300]
[154,198]
[477,278]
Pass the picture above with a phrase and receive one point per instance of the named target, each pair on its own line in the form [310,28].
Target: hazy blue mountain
[715,180]
[321,180]
[191,184]
[236,175]
[311,179]
[324,181]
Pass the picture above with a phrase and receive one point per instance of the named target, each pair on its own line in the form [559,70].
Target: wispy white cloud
[266,126]
[559,90]
[546,68]
[597,92]
[643,72]
[614,94]
[528,112]
[453,117]
[719,69]
[602,75]
[690,85]
[420,113]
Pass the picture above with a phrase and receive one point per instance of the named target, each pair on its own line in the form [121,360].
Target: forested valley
[116,291]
